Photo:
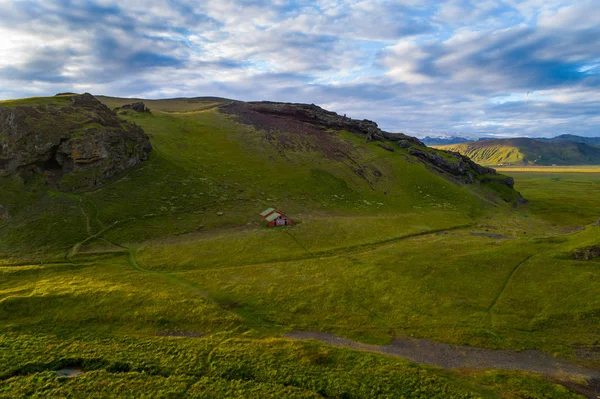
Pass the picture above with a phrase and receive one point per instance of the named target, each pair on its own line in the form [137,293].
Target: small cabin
[275,218]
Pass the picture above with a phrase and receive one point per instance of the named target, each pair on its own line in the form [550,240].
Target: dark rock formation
[137,107]
[403,140]
[462,168]
[587,253]
[301,118]
[454,163]
[313,114]
[83,140]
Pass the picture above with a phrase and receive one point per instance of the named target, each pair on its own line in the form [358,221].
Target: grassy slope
[350,266]
[204,164]
[523,151]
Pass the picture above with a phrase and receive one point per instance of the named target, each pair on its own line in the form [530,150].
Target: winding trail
[131,259]
[438,354]
[449,356]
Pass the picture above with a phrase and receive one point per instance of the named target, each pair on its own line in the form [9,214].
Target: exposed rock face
[83,140]
[286,117]
[587,253]
[137,107]
[459,166]
[314,115]
[462,168]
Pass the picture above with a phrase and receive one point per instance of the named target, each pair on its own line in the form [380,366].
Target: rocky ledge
[587,253]
[315,115]
[76,144]
[272,116]
[137,107]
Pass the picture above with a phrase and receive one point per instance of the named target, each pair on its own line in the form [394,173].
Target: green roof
[273,216]
[266,212]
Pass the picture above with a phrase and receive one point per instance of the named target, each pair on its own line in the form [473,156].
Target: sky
[465,67]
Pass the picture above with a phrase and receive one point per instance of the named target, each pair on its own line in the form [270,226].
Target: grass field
[181,290]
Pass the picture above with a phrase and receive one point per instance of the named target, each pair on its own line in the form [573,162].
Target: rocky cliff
[74,141]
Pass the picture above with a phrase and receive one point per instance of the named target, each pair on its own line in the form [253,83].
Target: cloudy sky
[510,68]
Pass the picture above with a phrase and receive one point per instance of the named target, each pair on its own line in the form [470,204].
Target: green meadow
[166,282]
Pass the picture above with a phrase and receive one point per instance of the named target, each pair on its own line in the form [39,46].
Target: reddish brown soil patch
[289,132]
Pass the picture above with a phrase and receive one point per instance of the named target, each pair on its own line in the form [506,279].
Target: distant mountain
[431,141]
[595,141]
[525,151]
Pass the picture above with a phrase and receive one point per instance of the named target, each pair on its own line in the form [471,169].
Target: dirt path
[450,356]
[132,260]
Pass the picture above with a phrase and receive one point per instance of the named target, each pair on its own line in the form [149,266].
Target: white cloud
[412,66]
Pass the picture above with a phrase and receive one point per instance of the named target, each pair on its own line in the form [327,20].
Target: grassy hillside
[524,151]
[165,280]
[208,171]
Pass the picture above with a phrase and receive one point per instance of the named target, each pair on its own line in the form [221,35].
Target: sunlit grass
[166,281]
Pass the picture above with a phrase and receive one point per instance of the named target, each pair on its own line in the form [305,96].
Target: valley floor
[213,313]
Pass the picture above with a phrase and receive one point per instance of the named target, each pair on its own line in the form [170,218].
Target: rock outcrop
[455,164]
[315,115]
[587,253]
[78,144]
[272,116]
[137,107]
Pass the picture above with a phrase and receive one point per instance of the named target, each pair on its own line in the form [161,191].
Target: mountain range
[560,150]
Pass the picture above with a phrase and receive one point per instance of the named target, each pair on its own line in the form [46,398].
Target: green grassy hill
[164,279]
[208,170]
[524,151]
